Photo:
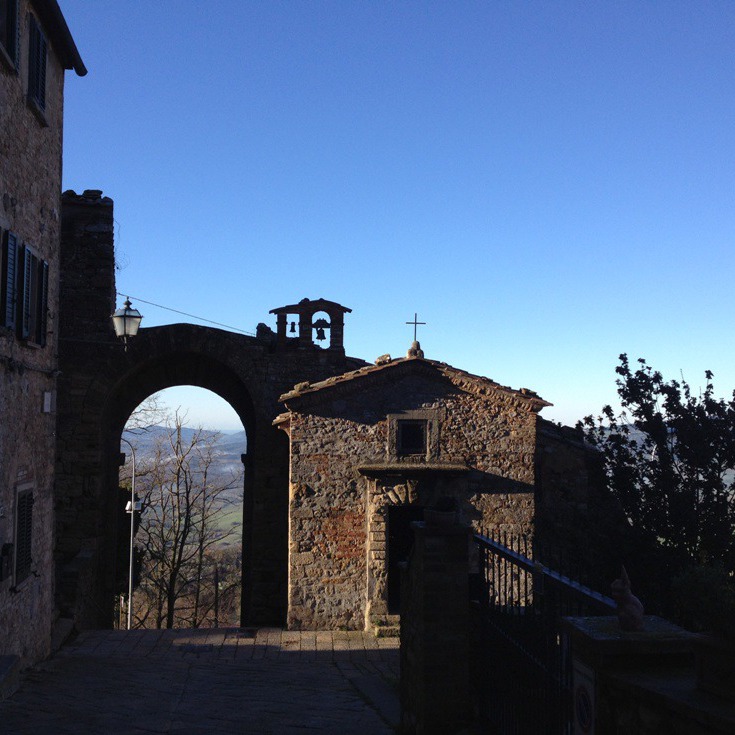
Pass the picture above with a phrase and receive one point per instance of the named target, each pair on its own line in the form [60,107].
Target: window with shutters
[32,296]
[8,280]
[23,534]
[37,52]
[9,33]
[23,290]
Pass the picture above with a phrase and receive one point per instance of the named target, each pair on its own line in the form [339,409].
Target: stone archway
[101,384]
[92,413]
[204,372]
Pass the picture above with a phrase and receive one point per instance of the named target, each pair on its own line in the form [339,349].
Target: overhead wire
[184,313]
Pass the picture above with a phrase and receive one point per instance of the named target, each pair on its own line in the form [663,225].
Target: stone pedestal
[435,686]
[639,683]
[716,666]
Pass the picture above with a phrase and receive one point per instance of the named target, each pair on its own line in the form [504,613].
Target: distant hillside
[228,450]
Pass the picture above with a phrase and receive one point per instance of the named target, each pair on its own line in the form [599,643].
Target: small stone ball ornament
[630,608]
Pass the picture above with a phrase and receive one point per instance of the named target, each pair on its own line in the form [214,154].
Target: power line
[183,313]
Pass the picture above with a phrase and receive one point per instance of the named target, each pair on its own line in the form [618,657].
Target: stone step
[386,626]
[387,631]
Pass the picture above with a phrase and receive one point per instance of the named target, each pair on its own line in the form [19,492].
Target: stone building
[370,450]
[35,50]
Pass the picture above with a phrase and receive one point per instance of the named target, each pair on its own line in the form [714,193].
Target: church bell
[320,324]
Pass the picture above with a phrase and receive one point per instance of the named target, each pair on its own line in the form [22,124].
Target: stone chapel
[374,447]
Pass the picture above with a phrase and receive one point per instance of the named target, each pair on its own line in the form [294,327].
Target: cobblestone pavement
[183,682]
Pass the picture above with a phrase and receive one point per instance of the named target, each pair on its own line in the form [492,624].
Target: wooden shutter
[25,291]
[10,30]
[37,64]
[42,53]
[16,25]
[23,535]
[42,304]
[33,31]
[8,303]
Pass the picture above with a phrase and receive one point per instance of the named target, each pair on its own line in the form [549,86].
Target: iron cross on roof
[415,323]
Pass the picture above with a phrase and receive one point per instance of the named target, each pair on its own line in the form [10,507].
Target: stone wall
[30,180]
[345,480]
[578,523]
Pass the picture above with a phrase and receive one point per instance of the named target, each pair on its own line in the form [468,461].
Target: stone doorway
[399,544]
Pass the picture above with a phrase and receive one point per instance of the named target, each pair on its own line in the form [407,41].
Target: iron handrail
[555,579]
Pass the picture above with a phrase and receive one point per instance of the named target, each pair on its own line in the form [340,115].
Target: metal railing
[523,674]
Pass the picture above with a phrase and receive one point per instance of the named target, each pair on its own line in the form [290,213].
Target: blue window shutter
[42,52]
[24,536]
[16,21]
[10,30]
[42,310]
[25,292]
[32,56]
[9,281]
[37,65]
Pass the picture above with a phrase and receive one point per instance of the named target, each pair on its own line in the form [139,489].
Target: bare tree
[183,505]
[149,413]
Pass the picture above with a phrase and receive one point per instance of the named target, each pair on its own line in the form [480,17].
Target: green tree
[669,459]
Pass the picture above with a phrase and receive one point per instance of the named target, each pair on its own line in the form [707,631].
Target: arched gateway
[101,384]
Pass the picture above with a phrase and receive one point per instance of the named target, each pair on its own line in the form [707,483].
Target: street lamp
[131,507]
[126,322]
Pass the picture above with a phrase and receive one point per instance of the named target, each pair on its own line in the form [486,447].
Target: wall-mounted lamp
[126,322]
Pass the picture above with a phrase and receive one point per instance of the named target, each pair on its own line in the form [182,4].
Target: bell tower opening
[320,325]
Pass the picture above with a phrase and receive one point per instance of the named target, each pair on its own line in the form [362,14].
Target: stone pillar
[336,330]
[435,684]
[87,344]
[281,327]
[87,268]
[305,337]
[639,682]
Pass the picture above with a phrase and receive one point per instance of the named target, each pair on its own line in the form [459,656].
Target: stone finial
[262,331]
[630,608]
[415,350]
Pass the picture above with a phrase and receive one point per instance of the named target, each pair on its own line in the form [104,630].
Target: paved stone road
[223,682]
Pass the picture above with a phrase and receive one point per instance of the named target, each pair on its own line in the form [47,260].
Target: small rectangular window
[23,535]
[411,437]
[37,51]
[9,30]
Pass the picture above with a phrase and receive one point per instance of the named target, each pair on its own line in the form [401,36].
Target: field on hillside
[226,470]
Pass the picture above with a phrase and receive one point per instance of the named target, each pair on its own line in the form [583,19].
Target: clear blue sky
[548,184]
